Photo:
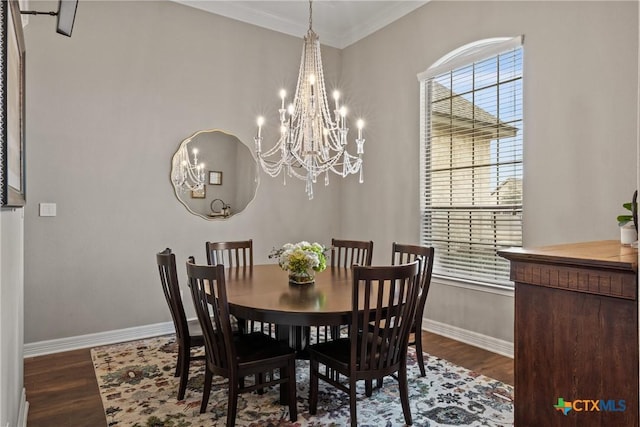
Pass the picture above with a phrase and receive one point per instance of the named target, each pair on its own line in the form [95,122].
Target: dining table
[263,293]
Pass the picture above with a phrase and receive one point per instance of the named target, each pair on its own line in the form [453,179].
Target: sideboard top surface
[602,254]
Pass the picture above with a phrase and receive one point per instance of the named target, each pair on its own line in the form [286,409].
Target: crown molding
[354,20]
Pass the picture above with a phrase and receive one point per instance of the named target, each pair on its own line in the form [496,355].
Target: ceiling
[338,23]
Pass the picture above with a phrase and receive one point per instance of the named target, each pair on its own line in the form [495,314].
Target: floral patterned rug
[138,389]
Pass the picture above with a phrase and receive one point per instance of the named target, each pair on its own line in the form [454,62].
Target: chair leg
[185,360]
[260,380]
[368,387]
[379,382]
[404,393]
[182,389]
[352,402]
[293,403]
[242,325]
[419,352]
[208,379]
[335,332]
[313,386]
[232,407]
[179,362]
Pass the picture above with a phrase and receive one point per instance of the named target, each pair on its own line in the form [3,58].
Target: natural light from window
[471,160]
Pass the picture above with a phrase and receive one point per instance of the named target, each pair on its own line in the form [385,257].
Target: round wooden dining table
[263,293]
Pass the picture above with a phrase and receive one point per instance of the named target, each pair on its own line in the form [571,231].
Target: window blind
[471,154]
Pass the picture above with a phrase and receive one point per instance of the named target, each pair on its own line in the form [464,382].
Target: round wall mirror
[230,175]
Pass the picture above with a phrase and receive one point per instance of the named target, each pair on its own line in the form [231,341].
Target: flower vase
[302,277]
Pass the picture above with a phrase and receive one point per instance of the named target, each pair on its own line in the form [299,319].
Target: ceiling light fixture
[312,141]
[186,174]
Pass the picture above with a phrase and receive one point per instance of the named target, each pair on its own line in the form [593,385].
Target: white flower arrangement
[299,258]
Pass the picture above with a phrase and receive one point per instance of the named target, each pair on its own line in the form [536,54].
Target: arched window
[471,159]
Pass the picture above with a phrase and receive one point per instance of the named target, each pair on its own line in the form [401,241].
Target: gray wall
[108,107]
[580,113]
[11,315]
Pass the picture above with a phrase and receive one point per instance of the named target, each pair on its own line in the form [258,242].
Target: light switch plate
[47,209]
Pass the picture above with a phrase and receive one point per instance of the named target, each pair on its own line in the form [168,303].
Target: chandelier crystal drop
[186,174]
[312,141]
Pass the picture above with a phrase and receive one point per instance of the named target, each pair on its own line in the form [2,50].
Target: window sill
[506,291]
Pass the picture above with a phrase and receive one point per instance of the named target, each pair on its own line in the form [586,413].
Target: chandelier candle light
[312,141]
[187,175]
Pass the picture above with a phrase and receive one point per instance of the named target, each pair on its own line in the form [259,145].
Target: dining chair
[188,333]
[385,297]
[237,255]
[345,253]
[403,254]
[241,355]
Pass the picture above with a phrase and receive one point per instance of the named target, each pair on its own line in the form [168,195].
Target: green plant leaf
[627,206]
[623,219]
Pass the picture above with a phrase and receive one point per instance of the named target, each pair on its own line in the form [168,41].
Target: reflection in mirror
[230,175]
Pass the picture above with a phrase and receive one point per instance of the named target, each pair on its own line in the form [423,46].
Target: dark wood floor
[62,389]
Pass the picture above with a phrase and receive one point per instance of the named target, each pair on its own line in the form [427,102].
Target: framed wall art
[12,107]
[215,177]
[199,193]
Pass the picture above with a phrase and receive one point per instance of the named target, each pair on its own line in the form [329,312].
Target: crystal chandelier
[312,141]
[187,174]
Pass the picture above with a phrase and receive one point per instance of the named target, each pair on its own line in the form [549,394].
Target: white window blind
[471,163]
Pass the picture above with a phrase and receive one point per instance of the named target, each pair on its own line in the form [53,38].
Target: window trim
[490,288]
[471,52]
[460,57]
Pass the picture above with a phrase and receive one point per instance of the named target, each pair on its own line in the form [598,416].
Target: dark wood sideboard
[576,334]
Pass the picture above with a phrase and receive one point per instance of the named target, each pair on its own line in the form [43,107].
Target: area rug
[138,389]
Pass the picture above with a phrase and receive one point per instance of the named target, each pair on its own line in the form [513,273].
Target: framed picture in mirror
[12,96]
[215,177]
[199,193]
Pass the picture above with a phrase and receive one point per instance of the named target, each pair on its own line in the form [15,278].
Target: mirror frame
[178,193]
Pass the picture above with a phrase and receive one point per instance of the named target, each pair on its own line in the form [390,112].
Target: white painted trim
[504,291]
[476,339]
[100,338]
[296,23]
[469,53]
[39,348]
[24,410]
[385,16]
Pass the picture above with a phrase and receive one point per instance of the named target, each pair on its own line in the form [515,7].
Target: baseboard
[495,345]
[100,338]
[24,409]
[39,348]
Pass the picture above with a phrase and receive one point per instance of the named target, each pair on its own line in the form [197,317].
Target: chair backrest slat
[169,279]
[403,254]
[230,254]
[345,253]
[384,300]
[208,290]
